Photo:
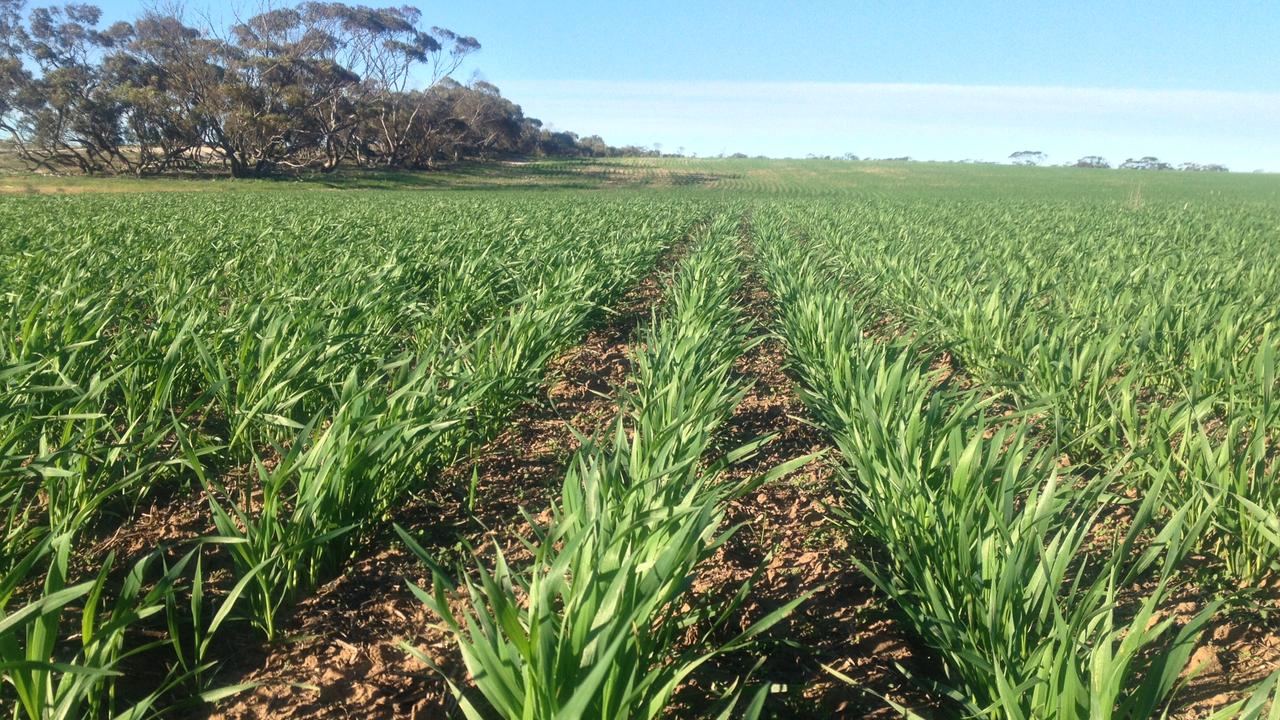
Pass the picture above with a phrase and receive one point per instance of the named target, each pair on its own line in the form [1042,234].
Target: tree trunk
[239,169]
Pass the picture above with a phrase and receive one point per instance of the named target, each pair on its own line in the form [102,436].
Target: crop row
[990,549]
[303,378]
[1056,420]
[1142,337]
[595,624]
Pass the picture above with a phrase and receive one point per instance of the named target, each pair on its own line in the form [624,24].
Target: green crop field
[642,438]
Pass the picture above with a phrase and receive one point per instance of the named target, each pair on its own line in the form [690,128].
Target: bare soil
[1240,648]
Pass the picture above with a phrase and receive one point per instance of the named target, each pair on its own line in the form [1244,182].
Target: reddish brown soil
[343,657]
[171,517]
[1240,649]
[845,624]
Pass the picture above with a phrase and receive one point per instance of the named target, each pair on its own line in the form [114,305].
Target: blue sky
[1185,81]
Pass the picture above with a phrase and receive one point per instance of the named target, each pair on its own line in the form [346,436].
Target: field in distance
[642,438]
[746,176]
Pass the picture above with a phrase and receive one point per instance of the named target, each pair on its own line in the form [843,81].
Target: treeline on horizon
[1036,158]
[304,88]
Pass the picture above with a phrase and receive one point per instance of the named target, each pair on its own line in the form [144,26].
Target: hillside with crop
[642,438]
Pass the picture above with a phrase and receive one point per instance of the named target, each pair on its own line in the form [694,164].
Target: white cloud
[925,121]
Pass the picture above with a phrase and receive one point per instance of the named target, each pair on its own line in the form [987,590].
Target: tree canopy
[311,86]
